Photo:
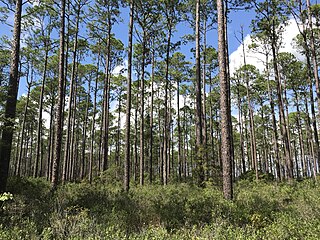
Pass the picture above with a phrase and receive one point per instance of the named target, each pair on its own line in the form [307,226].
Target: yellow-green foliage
[260,210]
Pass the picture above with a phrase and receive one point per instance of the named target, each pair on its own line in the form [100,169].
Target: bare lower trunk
[23,125]
[151,118]
[93,121]
[142,150]
[39,129]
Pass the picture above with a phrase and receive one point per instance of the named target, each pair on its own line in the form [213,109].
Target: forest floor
[260,210]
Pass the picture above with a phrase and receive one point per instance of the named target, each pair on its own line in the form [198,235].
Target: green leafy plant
[6,196]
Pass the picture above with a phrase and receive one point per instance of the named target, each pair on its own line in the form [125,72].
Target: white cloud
[252,56]
[35,3]
[121,69]
[46,119]
[256,57]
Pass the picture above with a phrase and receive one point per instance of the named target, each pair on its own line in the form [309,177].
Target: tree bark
[179,132]
[84,132]
[301,142]
[283,125]
[59,113]
[71,97]
[142,89]
[91,159]
[50,143]
[151,116]
[252,130]
[243,162]
[226,142]
[313,53]
[29,84]
[199,119]
[39,129]
[106,103]
[204,101]
[274,122]
[128,105]
[166,127]
[10,106]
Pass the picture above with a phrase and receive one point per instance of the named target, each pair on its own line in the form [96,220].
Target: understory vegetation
[260,210]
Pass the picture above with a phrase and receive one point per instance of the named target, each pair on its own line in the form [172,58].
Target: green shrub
[260,210]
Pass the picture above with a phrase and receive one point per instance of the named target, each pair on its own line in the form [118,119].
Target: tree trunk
[73,135]
[117,157]
[160,155]
[253,146]
[93,120]
[264,140]
[283,125]
[309,137]
[301,142]
[50,143]
[199,118]
[16,157]
[166,127]
[151,116]
[179,132]
[274,122]
[313,53]
[84,132]
[29,84]
[135,162]
[67,152]
[204,100]
[128,105]
[39,129]
[106,101]
[10,107]
[243,162]
[211,127]
[185,141]
[142,150]
[226,142]
[59,113]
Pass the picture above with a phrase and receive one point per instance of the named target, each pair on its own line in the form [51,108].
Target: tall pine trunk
[23,127]
[274,122]
[106,103]
[142,89]
[10,106]
[226,142]
[59,111]
[283,125]
[199,119]
[166,127]
[253,145]
[151,116]
[128,104]
[84,132]
[91,159]
[39,128]
[67,152]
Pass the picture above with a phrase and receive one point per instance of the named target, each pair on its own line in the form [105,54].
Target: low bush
[260,210]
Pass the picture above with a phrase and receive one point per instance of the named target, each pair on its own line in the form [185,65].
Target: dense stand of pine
[167,119]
